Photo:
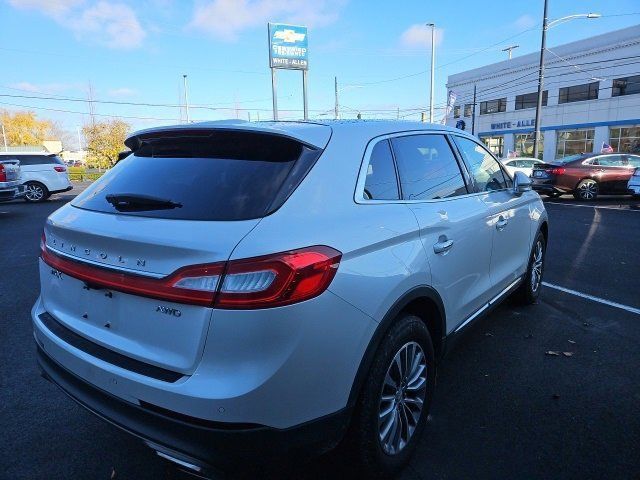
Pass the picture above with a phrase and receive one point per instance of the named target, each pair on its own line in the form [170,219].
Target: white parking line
[593,206]
[593,298]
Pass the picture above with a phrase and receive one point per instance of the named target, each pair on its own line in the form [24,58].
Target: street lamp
[546,25]
[433,63]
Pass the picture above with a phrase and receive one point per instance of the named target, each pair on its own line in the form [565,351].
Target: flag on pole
[606,148]
[451,99]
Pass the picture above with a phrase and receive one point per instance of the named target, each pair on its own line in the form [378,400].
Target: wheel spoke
[402,398]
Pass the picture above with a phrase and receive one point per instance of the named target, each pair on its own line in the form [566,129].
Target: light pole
[546,25]
[433,65]
[186,97]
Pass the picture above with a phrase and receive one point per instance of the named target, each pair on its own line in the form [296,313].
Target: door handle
[501,223]
[443,245]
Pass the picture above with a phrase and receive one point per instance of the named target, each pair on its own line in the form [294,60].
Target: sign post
[288,49]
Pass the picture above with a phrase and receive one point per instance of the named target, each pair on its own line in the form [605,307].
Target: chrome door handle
[501,223]
[443,245]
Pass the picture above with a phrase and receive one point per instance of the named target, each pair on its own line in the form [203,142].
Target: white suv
[43,174]
[235,292]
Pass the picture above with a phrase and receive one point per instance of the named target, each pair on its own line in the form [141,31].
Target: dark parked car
[586,175]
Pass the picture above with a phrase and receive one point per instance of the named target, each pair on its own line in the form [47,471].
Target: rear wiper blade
[133,202]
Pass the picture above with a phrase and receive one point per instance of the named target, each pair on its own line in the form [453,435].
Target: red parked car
[586,175]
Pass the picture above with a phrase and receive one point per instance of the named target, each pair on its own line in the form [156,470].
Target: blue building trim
[612,123]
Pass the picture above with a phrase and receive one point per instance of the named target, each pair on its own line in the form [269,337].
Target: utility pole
[337,108]
[186,98]
[543,46]
[473,112]
[433,63]
[79,140]
[4,136]
[398,114]
[510,49]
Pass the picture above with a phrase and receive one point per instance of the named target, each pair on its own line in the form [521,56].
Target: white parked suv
[239,292]
[43,174]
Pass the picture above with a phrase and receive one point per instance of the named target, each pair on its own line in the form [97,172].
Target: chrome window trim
[364,165]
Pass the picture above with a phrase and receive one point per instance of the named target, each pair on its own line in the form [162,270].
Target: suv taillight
[279,279]
[260,282]
[3,174]
[60,168]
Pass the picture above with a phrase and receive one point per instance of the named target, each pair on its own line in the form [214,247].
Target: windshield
[221,176]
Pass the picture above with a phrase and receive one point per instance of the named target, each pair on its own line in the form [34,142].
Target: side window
[611,161]
[427,167]
[485,169]
[634,160]
[381,182]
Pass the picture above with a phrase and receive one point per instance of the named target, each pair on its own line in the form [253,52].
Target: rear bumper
[198,444]
[66,189]
[634,189]
[545,188]
[8,194]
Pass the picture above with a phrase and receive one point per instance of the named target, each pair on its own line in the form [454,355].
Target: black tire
[586,190]
[363,438]
[36,192]
[529,290]
[554,194]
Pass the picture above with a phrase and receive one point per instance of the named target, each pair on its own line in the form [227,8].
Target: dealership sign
[518,124]
[288,47]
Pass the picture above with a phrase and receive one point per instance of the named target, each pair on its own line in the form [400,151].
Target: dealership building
[591,97]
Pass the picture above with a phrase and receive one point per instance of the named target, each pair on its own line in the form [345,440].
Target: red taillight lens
[60,168]
[3,174]
[279,279]
[260,282]
[557,171]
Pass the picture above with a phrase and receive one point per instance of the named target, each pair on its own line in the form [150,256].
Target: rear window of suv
[225,175]
[39,159]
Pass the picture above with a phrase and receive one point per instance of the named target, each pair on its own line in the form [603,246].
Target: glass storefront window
[524,145]
[573,142]
[625,139]
[494,144]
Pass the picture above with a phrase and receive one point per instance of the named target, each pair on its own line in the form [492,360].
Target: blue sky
[137,51]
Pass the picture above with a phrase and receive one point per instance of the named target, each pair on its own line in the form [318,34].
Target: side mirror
[521,183]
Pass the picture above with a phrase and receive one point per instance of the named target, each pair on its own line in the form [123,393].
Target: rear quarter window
[220,176]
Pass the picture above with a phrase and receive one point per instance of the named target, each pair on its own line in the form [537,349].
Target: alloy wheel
[34,192]
[536,267]
[402,398]
[588,190]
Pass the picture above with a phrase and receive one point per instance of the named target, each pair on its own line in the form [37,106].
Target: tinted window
[219,176]
[493,106]
[530,100]
[427,167]
[578,93]
[39,159]
[611,161]
[485,169]
[625,86]
[381,183]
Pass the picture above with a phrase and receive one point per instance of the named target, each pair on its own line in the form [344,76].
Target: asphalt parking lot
[503,408]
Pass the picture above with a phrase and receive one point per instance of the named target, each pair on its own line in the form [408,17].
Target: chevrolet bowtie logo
[289,36]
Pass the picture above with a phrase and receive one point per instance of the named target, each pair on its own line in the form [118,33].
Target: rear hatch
[184,198]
